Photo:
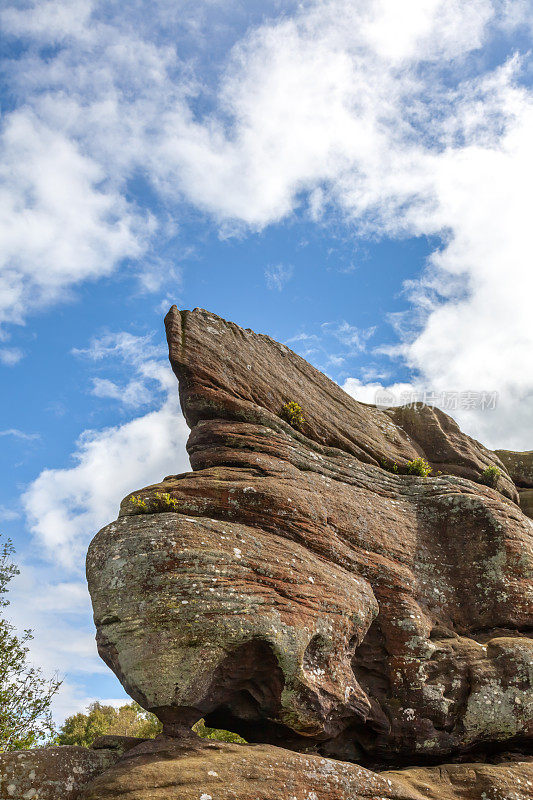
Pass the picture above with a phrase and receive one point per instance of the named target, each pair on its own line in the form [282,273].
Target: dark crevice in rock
[483,635]
[247,684]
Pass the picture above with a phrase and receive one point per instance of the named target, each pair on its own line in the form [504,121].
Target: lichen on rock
[293,590]
[366,630]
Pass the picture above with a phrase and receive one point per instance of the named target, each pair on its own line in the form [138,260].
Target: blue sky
[352,178]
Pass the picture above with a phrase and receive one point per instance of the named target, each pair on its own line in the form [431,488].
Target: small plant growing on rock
[391,466]
[165,502]
[140,505]
[202,730]
[419,466]
[292,413]
[161,502]
[490,477]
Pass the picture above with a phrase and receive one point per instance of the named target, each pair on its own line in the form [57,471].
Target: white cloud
[391,114]
[134,393]
[9,356]
[382,114]
[386,113]
[57,610]
[60,224]
[72,699]
[8,514]
[278,275]
[302,337]
[138,354]
[122,345]
[17,434]
[66,507]
[353,338]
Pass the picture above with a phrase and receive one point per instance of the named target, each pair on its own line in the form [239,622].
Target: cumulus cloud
[384,117]
[392,115]
[9,356]
[59,224]
[66,507]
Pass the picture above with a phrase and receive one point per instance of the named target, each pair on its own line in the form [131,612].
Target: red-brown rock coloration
[296,590]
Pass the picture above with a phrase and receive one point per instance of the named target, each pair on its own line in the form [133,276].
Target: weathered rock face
[520,468]
[51,773]
[199,770]
[293,590]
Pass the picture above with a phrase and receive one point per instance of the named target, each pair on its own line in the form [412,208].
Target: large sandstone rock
[51,773]
[185,770]
[226,372]
[293,590]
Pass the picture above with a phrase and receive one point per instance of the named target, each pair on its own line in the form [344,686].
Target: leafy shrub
[99,720]
[162,501]
[165,502]
[292,413]
[391,466]
[419,466]
[25,694]
[490,477]
[127,720]
[216,733]
[140,505]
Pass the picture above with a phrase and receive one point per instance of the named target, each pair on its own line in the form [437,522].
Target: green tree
[220,735]
[99,720]
[25,695]
[127,720]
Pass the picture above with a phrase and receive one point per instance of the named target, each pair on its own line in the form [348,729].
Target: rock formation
[202,770]
[52,773]
[520,468]
[297,587]
[292,589]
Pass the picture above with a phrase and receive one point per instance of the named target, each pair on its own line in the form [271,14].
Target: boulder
[187,770]
[51,773]
[293,589]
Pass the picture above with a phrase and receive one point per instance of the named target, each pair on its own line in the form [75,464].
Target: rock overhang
[396,608]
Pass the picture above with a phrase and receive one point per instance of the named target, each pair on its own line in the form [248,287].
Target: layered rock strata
[293,589]
[184,769]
